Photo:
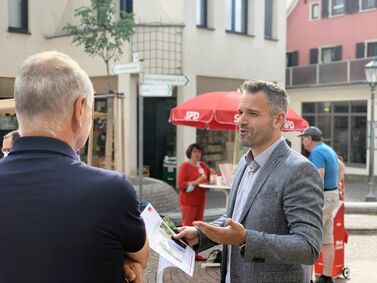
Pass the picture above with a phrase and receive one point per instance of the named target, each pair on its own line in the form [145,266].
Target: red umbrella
[219,111]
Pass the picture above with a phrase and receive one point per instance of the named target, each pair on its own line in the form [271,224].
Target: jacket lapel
[266,170]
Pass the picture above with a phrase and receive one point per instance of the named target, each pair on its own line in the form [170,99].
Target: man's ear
[79,111]
[279,120]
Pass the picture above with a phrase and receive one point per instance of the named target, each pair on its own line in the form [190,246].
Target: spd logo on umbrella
[289,125]
[236,118]
[192,115]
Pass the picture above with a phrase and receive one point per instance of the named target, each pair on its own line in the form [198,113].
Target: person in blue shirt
[60,219]
[326,161]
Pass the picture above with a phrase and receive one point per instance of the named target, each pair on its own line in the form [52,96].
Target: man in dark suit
[273,226]
[61,220]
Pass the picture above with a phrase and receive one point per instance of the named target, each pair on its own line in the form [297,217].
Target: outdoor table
[218,188]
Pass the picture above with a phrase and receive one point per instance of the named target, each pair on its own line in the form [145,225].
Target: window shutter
[130,6]
[313,56]
[360,50]
[348,6]
[356,7]
[338,53]
[352,6]
[25,14]
[295,58]
[325,8]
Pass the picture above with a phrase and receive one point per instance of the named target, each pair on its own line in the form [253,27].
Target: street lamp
[371,77]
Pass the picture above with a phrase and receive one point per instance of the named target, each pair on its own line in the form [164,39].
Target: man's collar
[262,158]
[47,144]
[317,144]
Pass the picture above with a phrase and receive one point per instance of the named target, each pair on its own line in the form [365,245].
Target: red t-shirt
[188,173]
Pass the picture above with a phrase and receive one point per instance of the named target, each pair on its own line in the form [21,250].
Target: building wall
[222,54]
[46,20]
[337,93]
[160,11]
[229,57]
[346,30]
[207,53]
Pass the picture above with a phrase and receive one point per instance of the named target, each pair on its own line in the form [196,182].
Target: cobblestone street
[175,275]
[361,258]
[360,252]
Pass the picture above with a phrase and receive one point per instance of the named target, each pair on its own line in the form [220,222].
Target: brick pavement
[175,275]
[161,195]
[360,257]
[359,250]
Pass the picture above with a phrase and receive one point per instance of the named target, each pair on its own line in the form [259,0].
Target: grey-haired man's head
[47,87]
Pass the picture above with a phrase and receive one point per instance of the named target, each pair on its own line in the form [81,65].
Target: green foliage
[100,32]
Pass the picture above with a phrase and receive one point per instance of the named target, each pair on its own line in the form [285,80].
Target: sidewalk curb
[360,207]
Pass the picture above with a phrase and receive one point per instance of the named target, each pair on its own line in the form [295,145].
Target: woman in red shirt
[192,199]
[191,173]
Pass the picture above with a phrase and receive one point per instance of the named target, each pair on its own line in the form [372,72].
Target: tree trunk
[108,77]
[109,133]
[109,123]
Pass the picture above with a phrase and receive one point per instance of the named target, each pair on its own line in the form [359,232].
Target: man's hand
[189,234]
[232,234]
[133,271]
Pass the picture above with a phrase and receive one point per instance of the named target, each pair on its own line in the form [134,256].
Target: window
[201,13]
[314,11]
[268,18]
[371,49]
[368,4]
[328,55]
[126,6]
[344,127]
[366,49]
[292,58]
[236,16]
[18,15]
[331,54]
[337,7]
[360,50]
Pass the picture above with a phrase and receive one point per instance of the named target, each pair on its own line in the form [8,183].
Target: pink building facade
[354,31]
[328,44]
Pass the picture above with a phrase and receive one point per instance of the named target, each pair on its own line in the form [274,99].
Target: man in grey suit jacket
[273,224]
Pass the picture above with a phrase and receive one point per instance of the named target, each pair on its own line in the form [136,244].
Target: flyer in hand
[176,252]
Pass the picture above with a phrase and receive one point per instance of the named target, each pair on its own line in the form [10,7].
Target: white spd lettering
[289,125]
[192,115]
[236,118]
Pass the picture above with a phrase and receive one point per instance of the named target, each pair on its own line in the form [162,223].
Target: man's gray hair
[46,88]
[277,96]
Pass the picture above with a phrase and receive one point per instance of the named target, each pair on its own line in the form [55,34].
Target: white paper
[162,264]
[159,236]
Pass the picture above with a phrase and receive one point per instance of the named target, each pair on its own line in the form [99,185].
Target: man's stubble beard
[254,140]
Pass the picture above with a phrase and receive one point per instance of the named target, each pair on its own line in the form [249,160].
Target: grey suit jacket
[283,221]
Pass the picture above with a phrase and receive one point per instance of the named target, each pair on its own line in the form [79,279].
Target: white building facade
[217,43]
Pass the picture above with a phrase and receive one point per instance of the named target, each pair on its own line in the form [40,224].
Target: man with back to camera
[61,220]
[326,161]
[8,141]
[273,226]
